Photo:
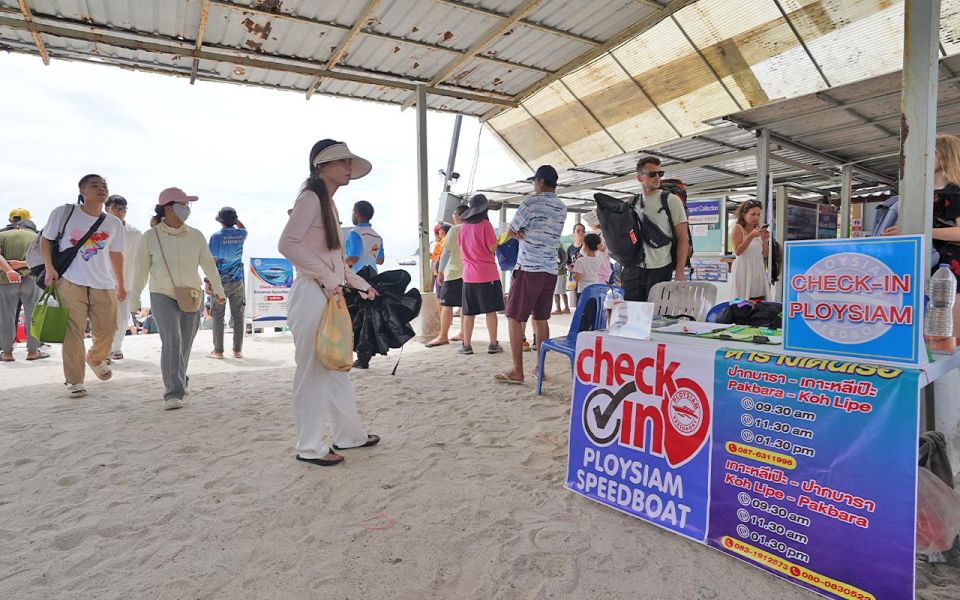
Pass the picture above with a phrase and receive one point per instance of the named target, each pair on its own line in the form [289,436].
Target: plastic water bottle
[613,297]
[938,325]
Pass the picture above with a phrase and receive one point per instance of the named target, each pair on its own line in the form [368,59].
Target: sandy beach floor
[109,496]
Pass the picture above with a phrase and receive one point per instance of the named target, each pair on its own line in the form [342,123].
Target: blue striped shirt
[540,218]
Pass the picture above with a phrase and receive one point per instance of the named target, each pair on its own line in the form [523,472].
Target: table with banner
[802,462]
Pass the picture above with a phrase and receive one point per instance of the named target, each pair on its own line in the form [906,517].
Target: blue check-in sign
[857,298]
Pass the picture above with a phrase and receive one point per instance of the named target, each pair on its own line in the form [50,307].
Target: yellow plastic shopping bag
[335,336]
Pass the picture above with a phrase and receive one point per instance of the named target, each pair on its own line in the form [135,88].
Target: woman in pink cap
[170,255]
[311,240]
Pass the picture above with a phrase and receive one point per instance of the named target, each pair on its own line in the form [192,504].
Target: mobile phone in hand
[765,226]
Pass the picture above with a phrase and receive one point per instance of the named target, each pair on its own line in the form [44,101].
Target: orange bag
[335,336]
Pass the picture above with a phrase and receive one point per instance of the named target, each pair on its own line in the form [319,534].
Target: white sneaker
[76,390]
[172,404]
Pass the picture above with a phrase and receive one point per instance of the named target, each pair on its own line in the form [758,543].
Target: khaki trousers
[100,306]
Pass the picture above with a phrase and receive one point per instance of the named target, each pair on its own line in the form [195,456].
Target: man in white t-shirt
[92,284]
[117,206]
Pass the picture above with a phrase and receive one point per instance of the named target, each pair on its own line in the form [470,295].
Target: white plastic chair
[675,298]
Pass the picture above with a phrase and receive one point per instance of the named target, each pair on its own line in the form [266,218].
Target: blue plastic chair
[568,344]
[714,312]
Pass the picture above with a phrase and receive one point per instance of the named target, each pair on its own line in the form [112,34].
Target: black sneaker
[465,350]
[361,364]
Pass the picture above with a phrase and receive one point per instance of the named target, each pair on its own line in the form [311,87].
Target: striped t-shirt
[540,218]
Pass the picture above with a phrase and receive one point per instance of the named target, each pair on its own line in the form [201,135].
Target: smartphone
[765,226]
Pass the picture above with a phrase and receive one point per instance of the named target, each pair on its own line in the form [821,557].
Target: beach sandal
[214,354]
[102,370]
[323,462]
[372,440]
[503,378]
[40,355]
[433,344]
[5,359]
[237,354]
[494,348]
[116,356]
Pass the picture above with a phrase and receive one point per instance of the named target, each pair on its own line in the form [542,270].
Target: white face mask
[182,211]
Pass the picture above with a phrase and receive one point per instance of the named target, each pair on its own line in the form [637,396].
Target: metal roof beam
[204,11]
[628,33]
[827,158]
[803,43]
[524,22]
[593,116]
[706,62]
[341,48]
[160,45]
[365,33]
[521,11]
[25,10]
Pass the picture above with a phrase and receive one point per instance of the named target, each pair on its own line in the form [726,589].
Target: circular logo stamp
[685,410]
[854,264]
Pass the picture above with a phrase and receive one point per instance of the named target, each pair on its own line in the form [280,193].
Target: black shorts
[451,292]
[482,298]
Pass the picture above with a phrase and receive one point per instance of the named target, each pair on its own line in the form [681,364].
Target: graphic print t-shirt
[226,246]
[92,265]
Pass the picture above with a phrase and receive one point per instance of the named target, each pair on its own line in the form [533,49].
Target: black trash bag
[384,322]
[753,314]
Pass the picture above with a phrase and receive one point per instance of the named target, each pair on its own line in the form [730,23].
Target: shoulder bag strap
[63,224]
[665,207]
[167,265]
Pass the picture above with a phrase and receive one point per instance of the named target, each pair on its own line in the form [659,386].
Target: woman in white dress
[751,244]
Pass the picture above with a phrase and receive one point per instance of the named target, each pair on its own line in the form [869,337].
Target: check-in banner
[814,471]
[640,429]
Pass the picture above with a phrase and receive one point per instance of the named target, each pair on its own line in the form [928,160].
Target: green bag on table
[49,322]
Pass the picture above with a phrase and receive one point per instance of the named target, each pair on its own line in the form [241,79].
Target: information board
[814,471]
[268,291]
[858,298]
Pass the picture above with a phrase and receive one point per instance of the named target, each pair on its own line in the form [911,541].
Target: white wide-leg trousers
[320,396]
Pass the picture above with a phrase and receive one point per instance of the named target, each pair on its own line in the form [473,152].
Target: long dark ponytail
[331,227]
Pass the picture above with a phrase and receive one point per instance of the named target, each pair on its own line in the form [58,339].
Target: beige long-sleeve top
[304,242]
[185,250]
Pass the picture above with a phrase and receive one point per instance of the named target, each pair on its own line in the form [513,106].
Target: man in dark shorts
[538,224]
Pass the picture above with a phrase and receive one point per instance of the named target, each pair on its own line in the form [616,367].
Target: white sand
[111,497]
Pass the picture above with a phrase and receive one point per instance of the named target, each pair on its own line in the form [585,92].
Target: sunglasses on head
[653,173]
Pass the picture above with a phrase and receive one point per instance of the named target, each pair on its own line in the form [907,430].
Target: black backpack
[678,189]
[621,229]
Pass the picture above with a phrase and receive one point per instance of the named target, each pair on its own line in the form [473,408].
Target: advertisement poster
[268,290]
[858,298]
[814,471]
[640,430]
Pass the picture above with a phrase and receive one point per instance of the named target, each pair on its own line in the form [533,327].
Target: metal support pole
[918,118]
[763,168]
[846,191]
[452,159]
[576,218]
[501,229]
[780,234]
[422,188]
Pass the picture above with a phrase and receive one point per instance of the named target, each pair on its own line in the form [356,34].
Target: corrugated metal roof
[706,60]
[473,54]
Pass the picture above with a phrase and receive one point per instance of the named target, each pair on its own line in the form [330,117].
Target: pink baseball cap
[174,196]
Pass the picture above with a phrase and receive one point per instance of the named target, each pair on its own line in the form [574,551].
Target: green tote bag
[49,323]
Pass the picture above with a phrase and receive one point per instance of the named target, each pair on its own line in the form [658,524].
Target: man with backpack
[666,236]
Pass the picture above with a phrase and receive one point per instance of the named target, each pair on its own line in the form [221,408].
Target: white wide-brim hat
[339,151]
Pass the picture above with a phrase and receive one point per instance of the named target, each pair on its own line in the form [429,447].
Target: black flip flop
[322,462]
[40,355]
[372,440]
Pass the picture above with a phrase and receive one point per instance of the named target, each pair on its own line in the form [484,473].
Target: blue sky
[244,147]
